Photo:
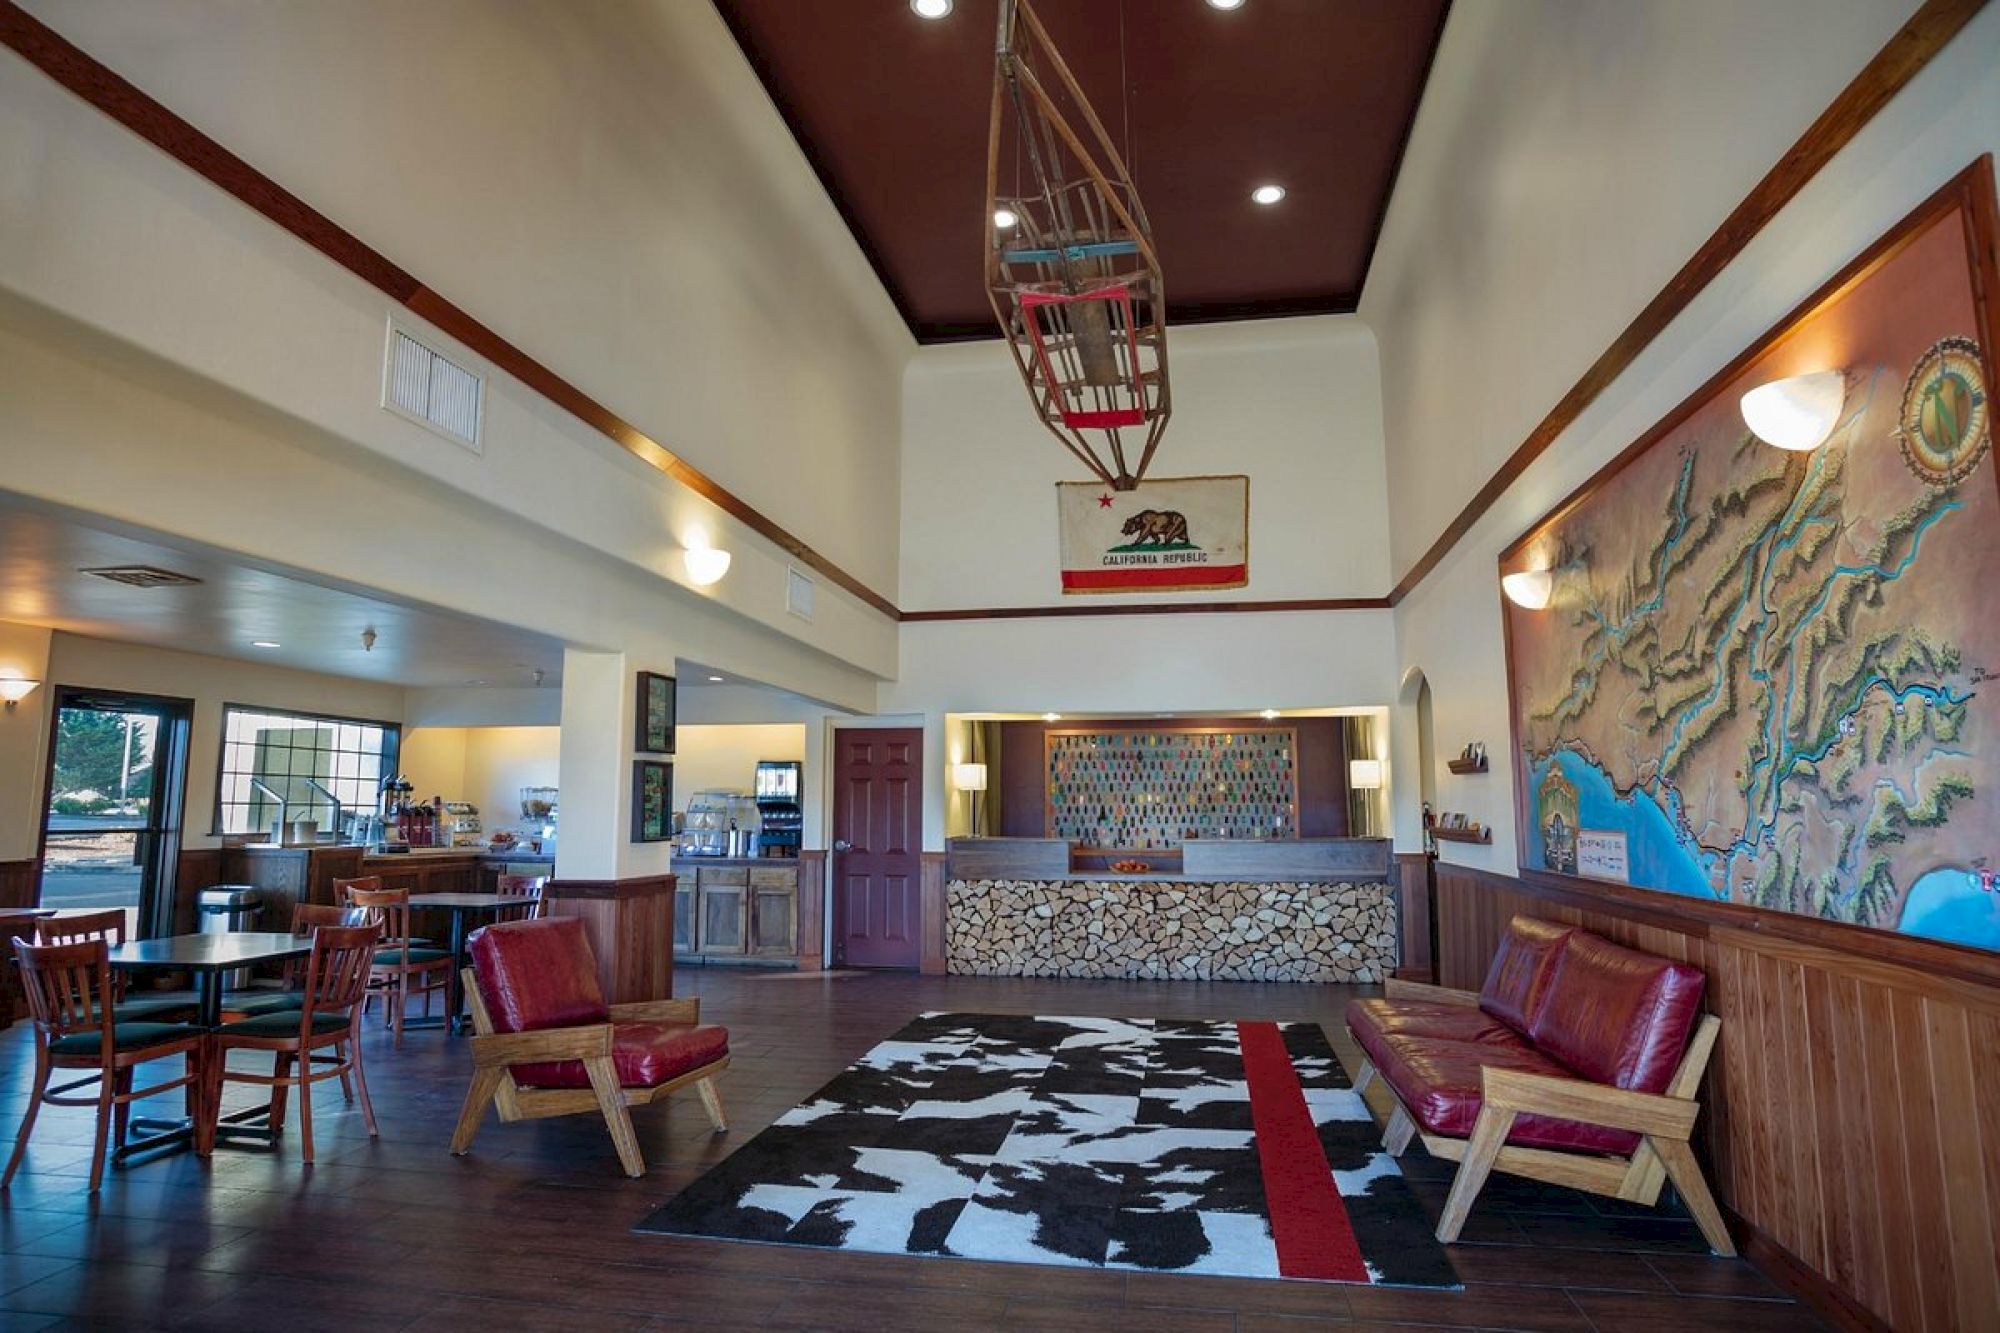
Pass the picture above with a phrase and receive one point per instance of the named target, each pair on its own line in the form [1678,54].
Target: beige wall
[485,765]
[210,682]
[1568,159]
[726,756]
[24,738]
[606,184]
[1450,627]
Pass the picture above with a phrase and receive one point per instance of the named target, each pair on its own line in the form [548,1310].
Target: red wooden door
[877,846]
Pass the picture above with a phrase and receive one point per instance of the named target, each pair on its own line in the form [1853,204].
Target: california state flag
[1166,536]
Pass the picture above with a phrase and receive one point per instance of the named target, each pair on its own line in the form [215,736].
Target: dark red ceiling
[1316,95]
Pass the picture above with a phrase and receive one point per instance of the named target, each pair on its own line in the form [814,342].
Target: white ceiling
[318,624]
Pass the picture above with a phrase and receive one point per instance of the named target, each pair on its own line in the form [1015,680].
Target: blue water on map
[1949,905]
[1654,853]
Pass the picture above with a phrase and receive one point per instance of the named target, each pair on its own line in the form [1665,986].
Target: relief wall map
[1773,678]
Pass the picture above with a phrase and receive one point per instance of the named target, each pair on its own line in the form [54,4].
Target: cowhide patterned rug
[1156,1144]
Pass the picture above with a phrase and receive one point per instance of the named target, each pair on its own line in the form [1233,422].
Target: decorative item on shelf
[1457,828]
[1472,759]
[1131,867]
[1071,272]
[652,796]
[655,714]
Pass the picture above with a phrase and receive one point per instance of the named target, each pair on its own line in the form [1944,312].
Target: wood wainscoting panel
[1414,959]
[18,880]
[930,897]
[812,911]
[1853,1120]
[195,869]
[630,926]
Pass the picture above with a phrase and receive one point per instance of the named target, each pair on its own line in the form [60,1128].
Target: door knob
[842,845]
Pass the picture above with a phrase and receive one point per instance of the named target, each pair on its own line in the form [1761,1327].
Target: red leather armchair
[547,1044]
[1576,1063]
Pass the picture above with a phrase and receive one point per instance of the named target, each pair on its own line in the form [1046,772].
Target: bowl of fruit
[1131,867]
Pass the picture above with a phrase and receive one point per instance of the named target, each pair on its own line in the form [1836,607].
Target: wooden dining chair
[523,886]
[110,926]
[70,992]
[402,968]
[328,1022]
[306,919]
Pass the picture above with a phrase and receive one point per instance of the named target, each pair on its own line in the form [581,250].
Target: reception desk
[1319,909]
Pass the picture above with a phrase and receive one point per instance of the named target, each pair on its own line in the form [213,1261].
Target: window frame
[392,748]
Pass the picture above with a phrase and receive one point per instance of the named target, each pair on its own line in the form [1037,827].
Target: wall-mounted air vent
[799,594]
[431,389]
[142,576]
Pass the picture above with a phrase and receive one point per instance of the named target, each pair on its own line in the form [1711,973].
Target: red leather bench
[1576,1063]
[547,1044]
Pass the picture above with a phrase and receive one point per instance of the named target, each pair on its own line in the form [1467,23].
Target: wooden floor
[534,1229]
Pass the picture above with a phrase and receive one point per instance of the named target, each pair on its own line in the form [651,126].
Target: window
[268,757]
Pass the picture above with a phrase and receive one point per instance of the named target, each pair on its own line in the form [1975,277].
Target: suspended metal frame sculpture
[1074,281]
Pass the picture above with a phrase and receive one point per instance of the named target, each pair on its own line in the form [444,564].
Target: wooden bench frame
[495,1053]
[1665,1122]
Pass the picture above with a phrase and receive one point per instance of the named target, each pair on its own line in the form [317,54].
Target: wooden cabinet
[737,910]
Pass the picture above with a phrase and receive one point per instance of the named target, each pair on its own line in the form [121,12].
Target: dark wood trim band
[1920,964]
[646,886]
[115,96]
[1150,609]
[1901,59]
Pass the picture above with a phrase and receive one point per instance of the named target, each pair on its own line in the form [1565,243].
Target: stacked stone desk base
[1197,931]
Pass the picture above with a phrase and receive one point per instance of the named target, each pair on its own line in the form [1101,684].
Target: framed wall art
[656,714]
[652,800]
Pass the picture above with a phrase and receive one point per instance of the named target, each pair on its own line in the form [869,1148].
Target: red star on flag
[1104,501]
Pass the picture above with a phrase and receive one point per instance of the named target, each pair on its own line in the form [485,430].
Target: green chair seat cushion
[256,1006]
[130,1036]
[282,1025]
[394,957]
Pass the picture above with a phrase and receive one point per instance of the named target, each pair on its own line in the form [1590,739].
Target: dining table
[461,906]
[208,958]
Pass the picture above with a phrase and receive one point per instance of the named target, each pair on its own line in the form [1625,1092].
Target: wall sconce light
[1529,589]
[1364,774]
[1796,413]
[705,564]
[13,689]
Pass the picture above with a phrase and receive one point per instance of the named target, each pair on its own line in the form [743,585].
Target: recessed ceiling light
[715,680]
[1051,717]
[1269,715]
[265,643]
[930,9]
[1003,218]
[1225,4]
[1268,194]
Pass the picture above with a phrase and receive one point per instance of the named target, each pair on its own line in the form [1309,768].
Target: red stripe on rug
[1310,1224]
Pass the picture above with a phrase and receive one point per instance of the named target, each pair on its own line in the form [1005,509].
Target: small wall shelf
[1467,765]
[1483,838]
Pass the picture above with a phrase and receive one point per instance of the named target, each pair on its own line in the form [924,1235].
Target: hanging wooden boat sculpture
[1070,267]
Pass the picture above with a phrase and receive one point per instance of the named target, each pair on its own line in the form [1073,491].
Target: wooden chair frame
[525,886]
[1665,1123]
[70,991]
[396,981]
[495,1053]
[336,979]
[109,926]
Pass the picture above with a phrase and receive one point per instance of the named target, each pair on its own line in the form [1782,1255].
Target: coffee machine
[780,816]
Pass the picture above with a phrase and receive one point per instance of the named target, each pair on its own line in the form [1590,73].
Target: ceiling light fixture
[1269,715]
[1267,194]
[265,643]
[1051,717]
[1796,413]
[1529,589]
[13,689]
[715,680]
[1003,218]
[1225,5]
[930,9]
